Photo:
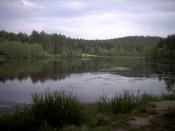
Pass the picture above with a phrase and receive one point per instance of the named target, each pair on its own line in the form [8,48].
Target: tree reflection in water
[43,70]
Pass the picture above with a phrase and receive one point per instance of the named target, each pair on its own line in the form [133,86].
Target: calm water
[87,78]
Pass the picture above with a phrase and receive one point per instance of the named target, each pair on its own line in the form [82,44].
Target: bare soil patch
[156,110]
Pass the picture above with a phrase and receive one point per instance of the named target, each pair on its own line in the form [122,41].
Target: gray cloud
[88,18]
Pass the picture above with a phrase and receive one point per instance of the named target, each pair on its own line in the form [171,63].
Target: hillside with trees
[62,46]
[164,49]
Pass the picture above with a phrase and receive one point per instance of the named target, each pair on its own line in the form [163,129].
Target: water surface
[87,78]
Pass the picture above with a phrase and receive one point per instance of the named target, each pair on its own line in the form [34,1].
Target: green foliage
[123,103]
[57,109]
[15,49]
[103,104]
[164,49]
[62,111]
[144,98]
[169,96]
[52,110]
[62,46]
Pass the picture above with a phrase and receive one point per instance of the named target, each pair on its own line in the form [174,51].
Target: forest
[165,48]
[42,44]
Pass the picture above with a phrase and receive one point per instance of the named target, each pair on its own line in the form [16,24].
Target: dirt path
[158,109]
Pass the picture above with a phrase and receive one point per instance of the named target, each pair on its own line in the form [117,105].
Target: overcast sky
[89,19]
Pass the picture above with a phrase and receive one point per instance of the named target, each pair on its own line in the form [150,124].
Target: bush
[122,103]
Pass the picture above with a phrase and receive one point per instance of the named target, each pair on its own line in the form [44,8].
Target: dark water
[87,78]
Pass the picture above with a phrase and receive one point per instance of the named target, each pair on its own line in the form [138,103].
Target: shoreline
[126,112]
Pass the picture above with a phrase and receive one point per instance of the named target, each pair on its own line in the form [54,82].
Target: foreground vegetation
[53,110]
[63,111]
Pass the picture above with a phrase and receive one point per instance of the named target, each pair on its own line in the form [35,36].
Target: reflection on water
[88,78]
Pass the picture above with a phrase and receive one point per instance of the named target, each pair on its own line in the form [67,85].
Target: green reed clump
[54,110]
[123,103]
[120,103]
[143,99]
[103,104]
[57,109]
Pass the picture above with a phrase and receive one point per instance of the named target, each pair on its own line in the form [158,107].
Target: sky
[89,19]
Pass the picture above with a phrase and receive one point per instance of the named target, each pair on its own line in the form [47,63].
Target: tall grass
[54,110]
[103,104]
[170,96]
[58,109]
[123,103]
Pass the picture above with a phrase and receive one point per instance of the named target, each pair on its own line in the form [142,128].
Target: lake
[87,78]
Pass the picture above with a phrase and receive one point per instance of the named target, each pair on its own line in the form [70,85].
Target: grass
[170,96]
[86,128]
[54,110]
[63,111]
[58,109]
[123,103]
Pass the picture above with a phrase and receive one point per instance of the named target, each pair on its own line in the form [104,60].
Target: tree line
[62,46]
[17,49]
[164,49]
